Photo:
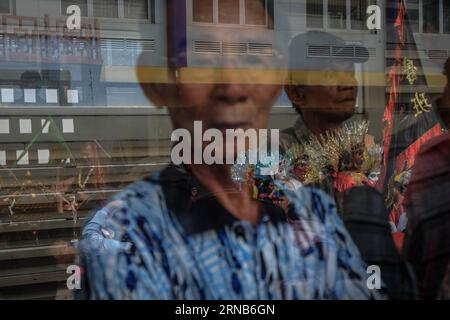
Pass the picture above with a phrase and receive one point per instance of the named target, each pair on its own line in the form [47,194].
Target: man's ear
[295,94]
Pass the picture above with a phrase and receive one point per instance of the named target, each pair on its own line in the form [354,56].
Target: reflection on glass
[412,7]
[135,9]
[446,16]
[337,14]
[5,7]
[358,13]
[80,3]
[229,11]
[255,14]
[106,8]
[314,13]
[202,10]
[76,126]
[431,16]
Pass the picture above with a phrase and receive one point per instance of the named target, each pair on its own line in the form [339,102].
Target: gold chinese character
[421,104]
[410,70]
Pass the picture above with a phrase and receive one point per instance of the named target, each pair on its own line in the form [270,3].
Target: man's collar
[196,208]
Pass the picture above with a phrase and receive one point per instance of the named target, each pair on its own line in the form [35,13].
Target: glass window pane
[412,7]
[358,14]
[446,14]
[337,14]
[106,8]
[78,124]
[135,9]
[81,3]
[314,13]
[5,6]
[255,12]
[431,16]
[229,11]
[202,10]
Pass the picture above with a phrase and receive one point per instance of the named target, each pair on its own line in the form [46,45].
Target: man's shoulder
[139,199]
[141,190]
[433,158]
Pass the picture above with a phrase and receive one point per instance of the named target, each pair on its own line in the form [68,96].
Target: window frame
[327,18]
[348,18]
[349,28]
[323,17]
[216,16]
[11,8]
[441,20]
[121,12]
[349,12]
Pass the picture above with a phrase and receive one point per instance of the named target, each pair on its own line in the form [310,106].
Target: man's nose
[231,93]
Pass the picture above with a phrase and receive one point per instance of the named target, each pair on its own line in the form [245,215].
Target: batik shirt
[159,240]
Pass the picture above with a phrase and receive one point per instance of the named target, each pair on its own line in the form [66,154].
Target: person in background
[427,239]
[427,204]
[323,91]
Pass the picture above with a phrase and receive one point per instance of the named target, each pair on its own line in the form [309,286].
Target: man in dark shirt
[323,91]
[427,239]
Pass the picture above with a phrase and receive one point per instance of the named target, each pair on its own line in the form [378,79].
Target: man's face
[223,106]
[336,98]
[224,91]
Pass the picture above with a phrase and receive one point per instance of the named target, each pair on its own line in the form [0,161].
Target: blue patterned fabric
[156,241]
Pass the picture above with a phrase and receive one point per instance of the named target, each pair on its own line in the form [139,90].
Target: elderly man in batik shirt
[157,239]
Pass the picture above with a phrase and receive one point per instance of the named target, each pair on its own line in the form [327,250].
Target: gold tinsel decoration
[334,151]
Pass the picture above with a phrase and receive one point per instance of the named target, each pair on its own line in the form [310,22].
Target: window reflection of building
[82,4]
[229,11]
[135,9]
[424,16]
[203,11]
[125,9]
[245,12]
[431,16]
[413,14]
[446,9]
[337,14]
[106,8]
[114,85]
[6,7]
[314,13]
[358,15]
